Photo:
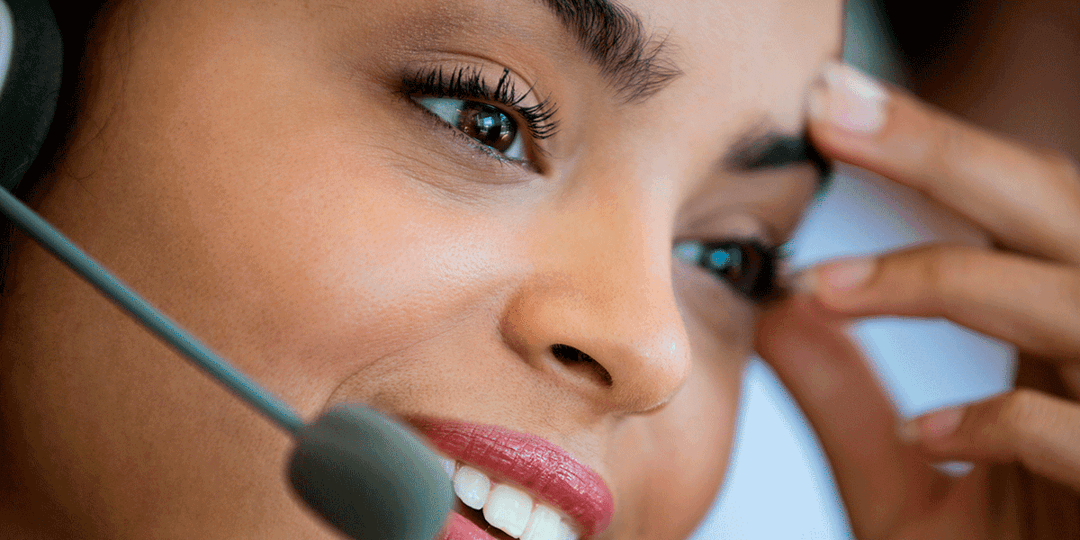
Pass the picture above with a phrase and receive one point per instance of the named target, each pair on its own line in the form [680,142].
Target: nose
[598,309]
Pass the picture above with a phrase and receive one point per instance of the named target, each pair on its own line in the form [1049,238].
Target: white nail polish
[853,101]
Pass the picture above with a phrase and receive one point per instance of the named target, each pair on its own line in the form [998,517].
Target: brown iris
[487,124]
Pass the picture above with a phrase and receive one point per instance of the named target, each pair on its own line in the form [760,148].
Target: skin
[249,167]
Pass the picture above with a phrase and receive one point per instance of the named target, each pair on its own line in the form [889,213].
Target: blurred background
[779,485]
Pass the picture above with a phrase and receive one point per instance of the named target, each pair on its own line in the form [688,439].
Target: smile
[517,483]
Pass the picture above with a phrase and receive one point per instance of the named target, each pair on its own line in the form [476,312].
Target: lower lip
[536,465]
[460,528]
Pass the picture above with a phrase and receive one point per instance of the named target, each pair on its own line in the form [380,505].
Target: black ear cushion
[28,98]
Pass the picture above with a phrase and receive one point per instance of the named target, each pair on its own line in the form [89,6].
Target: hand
[1025,290]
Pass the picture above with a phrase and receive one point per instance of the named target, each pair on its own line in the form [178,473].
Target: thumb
[812,354]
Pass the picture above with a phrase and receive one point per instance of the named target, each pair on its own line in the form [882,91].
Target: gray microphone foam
[370,477]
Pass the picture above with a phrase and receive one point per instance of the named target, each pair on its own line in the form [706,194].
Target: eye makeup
[471,86]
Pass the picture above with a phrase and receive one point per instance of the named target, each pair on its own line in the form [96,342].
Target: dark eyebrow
[761,148]
[636,63]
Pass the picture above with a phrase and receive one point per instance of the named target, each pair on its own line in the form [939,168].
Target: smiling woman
[538,231]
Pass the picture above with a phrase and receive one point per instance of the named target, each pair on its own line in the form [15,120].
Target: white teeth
[543,525]
[508,509]
[565,532]
[448,465]
[472,487]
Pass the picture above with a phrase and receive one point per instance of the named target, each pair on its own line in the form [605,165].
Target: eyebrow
[761,147]
[635,62]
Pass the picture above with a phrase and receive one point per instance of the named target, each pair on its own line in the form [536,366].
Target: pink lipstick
[548,472]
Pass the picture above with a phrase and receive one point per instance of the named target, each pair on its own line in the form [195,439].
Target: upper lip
[529,461]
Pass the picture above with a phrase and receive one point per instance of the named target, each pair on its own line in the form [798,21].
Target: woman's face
[444,209]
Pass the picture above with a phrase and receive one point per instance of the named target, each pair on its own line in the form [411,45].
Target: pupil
[741,266]
[489,125]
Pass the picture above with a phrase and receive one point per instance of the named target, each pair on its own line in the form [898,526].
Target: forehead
[730,38]
[750,53]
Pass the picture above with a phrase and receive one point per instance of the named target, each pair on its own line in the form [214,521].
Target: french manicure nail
[932,426]
[846,275]
[850,100]
[940,424]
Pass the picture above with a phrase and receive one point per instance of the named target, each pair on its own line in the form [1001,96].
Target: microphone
[389,487]
[368,476]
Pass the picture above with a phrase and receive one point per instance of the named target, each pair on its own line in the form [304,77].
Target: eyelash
[761,286]
[469,84]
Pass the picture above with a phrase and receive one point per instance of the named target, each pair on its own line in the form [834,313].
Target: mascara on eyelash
[467,83]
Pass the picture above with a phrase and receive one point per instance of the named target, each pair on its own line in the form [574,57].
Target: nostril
[578,360]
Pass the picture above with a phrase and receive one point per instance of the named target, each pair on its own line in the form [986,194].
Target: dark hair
[926,31]
[74,20]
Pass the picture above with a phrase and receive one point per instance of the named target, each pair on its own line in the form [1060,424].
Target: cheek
[676,460]
[359,273]
[680,453]
[293,236]
[308,269]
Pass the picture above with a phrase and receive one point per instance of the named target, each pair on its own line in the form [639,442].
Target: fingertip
[848,100]
[834,283]
[907,432]
[932,427]
[846,275]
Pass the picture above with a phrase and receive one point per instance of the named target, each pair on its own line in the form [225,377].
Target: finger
[850,412]
[1041,432]
[1033,304]
[1028,199]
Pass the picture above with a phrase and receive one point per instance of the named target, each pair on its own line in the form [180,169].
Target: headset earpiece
[31,65]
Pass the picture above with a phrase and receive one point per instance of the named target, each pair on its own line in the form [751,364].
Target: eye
[747,266]
[485,123]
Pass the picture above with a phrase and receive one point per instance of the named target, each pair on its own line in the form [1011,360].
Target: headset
[365,474]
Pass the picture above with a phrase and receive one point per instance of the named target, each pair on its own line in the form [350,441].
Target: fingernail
[908,432]
[932,426]
[849,99]
[845,275]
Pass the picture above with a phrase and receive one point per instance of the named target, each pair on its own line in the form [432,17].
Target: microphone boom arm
[150,317]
